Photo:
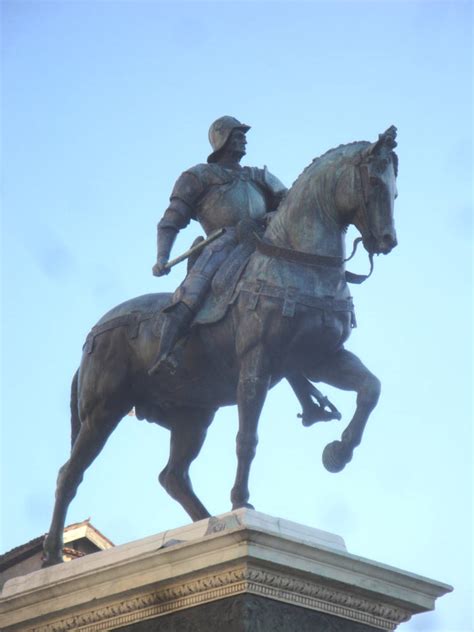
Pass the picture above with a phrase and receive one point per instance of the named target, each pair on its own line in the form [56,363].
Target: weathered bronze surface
[288,316]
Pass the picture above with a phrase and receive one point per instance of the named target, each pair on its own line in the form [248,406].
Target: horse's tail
[75,419]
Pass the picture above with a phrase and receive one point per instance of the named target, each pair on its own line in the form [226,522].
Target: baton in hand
[197,248]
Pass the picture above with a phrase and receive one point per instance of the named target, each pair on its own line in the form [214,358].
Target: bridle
[364,178]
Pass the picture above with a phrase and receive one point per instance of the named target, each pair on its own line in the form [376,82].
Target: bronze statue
[279,307]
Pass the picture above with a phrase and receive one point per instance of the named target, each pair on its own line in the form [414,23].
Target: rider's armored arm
[176,217]
[179,213]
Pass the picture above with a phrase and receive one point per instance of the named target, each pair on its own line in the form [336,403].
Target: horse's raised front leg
[252,389]
[344,370]
[188,431]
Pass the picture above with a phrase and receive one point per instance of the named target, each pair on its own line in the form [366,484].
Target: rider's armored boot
[176,322]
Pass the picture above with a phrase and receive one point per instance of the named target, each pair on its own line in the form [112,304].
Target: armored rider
[218,194]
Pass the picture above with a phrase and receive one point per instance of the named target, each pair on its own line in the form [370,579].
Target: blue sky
[104,104]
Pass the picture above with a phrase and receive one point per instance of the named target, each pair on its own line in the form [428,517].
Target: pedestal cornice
[242,552]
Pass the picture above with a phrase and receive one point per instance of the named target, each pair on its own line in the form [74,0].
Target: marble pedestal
[240,572]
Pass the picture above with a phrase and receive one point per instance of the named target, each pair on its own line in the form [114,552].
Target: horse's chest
[314,332]
[292,302]
[291,323]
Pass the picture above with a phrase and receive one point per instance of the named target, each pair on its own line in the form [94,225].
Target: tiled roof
[28,549]
[21,552]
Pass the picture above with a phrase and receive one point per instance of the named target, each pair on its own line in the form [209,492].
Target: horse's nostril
[389,240]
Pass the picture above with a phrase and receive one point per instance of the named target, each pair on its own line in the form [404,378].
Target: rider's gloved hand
[159,267]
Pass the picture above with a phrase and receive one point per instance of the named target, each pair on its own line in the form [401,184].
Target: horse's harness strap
[296,256]
[291,297]
[132,321]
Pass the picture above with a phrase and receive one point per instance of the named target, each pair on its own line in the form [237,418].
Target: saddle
[223,285]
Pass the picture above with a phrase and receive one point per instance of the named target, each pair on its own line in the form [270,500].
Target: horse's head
[373,216]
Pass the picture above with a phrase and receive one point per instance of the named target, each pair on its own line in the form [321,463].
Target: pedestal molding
[245,579]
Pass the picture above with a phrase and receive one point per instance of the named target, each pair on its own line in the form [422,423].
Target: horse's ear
[387,139]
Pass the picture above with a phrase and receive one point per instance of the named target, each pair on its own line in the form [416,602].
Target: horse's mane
[341,151]
[316,183]
[348,150]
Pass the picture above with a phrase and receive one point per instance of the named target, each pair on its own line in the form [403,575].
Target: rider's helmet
[220,131]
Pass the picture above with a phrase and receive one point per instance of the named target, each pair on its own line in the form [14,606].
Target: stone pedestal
[240,572]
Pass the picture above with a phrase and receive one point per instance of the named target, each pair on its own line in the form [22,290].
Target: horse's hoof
[336,455]
[242,506]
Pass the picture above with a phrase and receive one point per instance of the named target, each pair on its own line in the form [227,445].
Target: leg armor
[189,297]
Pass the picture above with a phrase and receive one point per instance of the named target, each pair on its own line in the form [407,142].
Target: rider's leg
[189,297]
[177,320]
[305,391]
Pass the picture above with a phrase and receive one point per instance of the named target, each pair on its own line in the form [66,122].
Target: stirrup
[166,363]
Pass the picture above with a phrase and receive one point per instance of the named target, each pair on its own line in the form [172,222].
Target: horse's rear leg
[188,431]
[344,370]
[95,429]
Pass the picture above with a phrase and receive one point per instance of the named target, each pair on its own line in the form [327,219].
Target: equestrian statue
[265,298]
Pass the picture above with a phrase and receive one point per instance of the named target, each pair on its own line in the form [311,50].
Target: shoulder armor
[267,180]
[275,185]
[216,174]
[209,175]
[199,170]
[188,187]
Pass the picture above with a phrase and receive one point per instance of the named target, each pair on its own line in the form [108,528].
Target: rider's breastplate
[227,203]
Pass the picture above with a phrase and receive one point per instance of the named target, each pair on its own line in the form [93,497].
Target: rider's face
[237,142]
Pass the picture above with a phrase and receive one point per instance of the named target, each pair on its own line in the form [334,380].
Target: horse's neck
[302,224]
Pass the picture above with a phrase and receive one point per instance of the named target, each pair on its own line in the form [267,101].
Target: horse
[289,316]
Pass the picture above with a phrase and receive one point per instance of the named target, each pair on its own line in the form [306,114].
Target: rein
[296,256]
[306,258]
[357,279]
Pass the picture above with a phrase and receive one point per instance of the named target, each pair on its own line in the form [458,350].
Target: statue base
[241,572]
